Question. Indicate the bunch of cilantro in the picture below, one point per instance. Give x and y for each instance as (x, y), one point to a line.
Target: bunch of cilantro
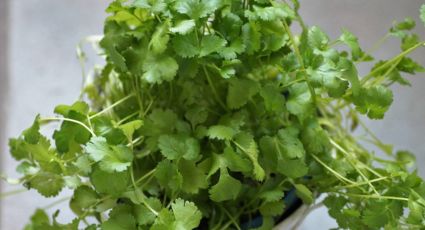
(208, 112)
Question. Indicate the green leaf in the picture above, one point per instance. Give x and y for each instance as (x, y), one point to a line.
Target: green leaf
(83, 163)
(168, 175)
(143, 215)
(160, 38)
(46, 183)
(84, 197)
(236, 162)
(293, 168)
(273, 99)
(186, 45)
(186, 214)
(246, 143)
(317, 38)
(194, 178)
(120, 218)
(300, 101)
(251, 37)
(399, 28)
(130, 127)
(211, 44)
(422, 15)
(176, 146)
(159, 68)
(352, 41)
(241, 91)
(196, 9)
(221, 132)
(112, 158)
(113, 184)
(274, 208)
(271, 13)
(329, 78)
(32, 135)
(221, 192)
(18, 149)
(374, 101)
(183, 27)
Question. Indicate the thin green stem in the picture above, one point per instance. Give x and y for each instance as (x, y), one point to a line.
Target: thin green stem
(333, 171)
(300, 60)
(374, 196)
(391, 61)
(112, 106)
(12, 193)
(53, 204)
(232, 219)
(348, 155)
(139, 195)
(70, 120)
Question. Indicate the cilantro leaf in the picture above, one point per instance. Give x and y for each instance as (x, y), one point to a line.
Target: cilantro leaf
(186, 45)
(220, 191)
(240, 92)
(211, 44)
(194, 178)
(176, 146)
(300, 101)
(186, 214)
(251, 37)
(112, 158)
(168, 175)
(246, 143)
(270, 13)
(183, 27)
(111, 183)
(221, 132)
(374, 101)
(46, 183)
(159, 68)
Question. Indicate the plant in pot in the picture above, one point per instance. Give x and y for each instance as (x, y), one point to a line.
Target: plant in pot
(214, 114)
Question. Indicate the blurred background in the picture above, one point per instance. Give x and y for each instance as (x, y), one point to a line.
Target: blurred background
(39, 69)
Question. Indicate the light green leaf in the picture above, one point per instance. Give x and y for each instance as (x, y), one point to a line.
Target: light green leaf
(176, 146)
(211, 44)
(186, 214)
(186, 45)
(168, 175)
(130, 127)
(183, 27)
(46, 183)
(113, 184)
(246, 143)
(160, 39)
(112, 158)
(221, 192)
(221, 132)
(251, 37)
(159, 68)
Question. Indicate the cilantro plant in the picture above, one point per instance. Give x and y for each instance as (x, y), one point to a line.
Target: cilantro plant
(208, 112)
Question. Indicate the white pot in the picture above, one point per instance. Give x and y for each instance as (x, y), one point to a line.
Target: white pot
(294, 220)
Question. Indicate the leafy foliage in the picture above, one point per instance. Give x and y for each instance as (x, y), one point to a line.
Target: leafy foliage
(208, 111)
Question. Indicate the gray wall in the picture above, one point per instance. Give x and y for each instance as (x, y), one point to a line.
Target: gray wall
(4, 16)
(44, 72)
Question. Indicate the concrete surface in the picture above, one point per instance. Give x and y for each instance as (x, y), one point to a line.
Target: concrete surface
(45, 72)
